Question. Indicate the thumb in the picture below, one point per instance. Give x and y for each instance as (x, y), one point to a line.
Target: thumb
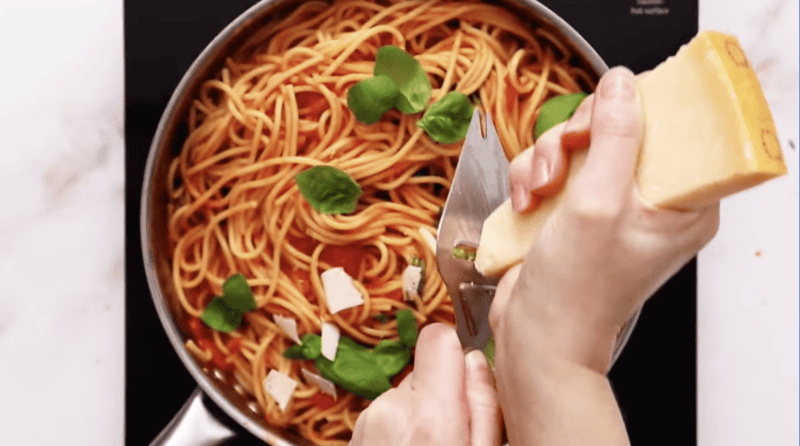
(617, 129)
(482, 401)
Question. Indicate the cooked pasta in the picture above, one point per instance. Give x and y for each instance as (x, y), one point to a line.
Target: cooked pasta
(277, 107)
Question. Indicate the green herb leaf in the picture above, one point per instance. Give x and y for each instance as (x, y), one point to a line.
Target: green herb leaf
(309, 348)
(407, 74)
(557, 110)
(312, 346)
(295, 352)
(416, 261)
(382, 318)
(391, 357)
(357, 369)
(407, 327)
(488, 351)
(356, 372)
(328, 189)
(237, 294)
(220, 316)
(447, 120)
(371, 98)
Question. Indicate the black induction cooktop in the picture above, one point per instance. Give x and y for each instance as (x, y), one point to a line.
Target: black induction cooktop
(654, 379)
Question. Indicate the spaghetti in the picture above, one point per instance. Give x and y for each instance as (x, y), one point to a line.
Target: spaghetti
(278, 107)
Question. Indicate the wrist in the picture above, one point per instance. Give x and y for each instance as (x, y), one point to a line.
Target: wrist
(557, 335)
(554, 401)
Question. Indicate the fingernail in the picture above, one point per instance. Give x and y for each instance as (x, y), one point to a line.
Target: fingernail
(540, 174)
(618, 84)
(476, 362)
(520, 198)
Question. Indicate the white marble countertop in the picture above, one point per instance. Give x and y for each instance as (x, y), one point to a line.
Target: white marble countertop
(61, 236)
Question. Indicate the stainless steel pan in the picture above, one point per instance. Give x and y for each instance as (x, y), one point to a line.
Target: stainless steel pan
(195, 424)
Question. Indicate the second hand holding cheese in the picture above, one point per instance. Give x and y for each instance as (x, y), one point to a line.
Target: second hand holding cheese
(708, 134)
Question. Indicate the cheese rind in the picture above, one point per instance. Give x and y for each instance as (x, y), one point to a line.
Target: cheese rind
(708, 134)
(708, 129)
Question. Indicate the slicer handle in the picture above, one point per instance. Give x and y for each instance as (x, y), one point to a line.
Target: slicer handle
(196, 424)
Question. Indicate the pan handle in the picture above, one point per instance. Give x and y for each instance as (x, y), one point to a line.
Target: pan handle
(196, 424)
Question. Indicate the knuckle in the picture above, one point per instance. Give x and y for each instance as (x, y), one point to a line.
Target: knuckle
(615, 124)
(592, 209)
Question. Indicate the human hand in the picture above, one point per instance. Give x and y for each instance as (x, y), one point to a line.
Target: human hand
(602, 252)
(448, 400)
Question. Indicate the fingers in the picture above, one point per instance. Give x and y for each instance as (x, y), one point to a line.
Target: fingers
(379, 423)
(519, 174)
(482, 401)
(439, 366)
(617, 128)
(438, 382)
(537, 170)
(542, 169)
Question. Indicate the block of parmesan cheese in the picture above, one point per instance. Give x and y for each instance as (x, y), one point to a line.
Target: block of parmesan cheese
(708, 129)
(708, 134)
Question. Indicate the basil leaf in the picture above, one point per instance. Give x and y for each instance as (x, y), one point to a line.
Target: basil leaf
(295, 352)
(447, 120)
(309, 348)
(370, 98)
(312, 346)
(407, 74)
(407, 327)
(356, 371)
(349, 344)
(488, 351)
(382, 318)
(557, 110)
(237, 294)
(391, 357)
(328, 189)
(220, 316)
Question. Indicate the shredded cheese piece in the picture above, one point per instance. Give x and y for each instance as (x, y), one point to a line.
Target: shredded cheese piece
(323, 384)
(330, 340)
(288, 325)
(280, 387)
(340, 293)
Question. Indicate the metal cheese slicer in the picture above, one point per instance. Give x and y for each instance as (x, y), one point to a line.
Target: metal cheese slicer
(479, 186)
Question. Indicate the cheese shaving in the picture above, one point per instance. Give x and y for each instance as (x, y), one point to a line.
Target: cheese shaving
(323, 384)
(340, 293)
(280, 387)
(330, 340)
